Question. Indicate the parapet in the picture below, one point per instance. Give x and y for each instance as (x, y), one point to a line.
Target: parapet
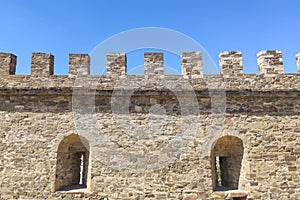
(79, 65)
(42, 64)
(8, 64)
(231, 63)
(270, 64)
(191, 63)
(154, 65)
(298, 61)
(116, 65)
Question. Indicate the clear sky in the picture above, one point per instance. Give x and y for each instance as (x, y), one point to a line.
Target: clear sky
(61, 27)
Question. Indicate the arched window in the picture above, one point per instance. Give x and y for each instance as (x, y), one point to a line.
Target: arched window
(226, 157)
(72, 163)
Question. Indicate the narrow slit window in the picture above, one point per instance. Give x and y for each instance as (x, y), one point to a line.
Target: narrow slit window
(81, 181)
(218, 171)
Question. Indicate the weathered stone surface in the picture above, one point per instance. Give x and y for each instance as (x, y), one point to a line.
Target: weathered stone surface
(298, 61)
(116, 65)
(79, 65)
(38, 112)
(231, 63)
(154, 65)
(190, 197)
(42, 64)
(8, 63)
(192, 65)
(270, 62)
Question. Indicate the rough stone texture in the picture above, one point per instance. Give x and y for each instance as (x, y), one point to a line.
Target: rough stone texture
(79, 64)
(270, 62)
(231, 63)
(116, 65)
(190, 197)
(8, 63)
(154, 65)
(37, 114)
(42, 64)
(192, 65)
(298, 61)
(219, 195)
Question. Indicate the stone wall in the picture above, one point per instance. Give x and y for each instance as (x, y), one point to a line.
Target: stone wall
(39, 111)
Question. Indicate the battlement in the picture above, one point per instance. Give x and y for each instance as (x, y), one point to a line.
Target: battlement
(154, 136)
(270, 65)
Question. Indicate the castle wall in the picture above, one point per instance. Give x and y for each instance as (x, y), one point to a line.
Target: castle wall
(38, 111)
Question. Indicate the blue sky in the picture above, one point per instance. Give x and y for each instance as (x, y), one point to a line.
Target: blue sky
(61, 27)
